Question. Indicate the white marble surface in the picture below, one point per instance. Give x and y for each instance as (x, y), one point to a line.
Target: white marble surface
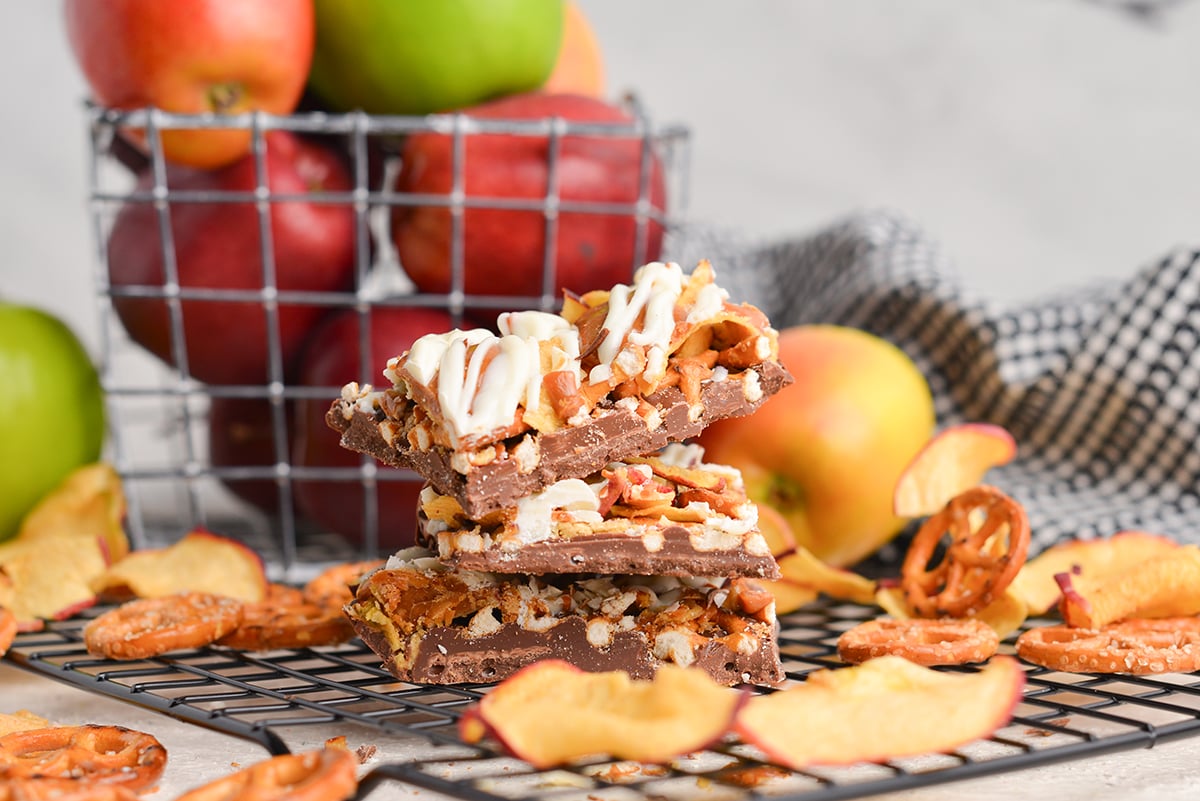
(1045, 143)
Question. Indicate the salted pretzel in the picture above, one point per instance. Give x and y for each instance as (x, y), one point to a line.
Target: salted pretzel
(925, 641)
(988, 541)
(325, 775)
(63, 790)
(1136, 647)
(8, 629)
(285, 620)
(332, 586)
(151, 626)
(101, 754)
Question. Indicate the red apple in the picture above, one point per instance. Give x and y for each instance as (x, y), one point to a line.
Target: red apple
(827, 450)
(217, 246)
(331, 359)
(193, 57)
(241, 433)
(504, 249)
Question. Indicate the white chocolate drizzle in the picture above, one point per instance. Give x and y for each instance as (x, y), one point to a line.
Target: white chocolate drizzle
(480, 379)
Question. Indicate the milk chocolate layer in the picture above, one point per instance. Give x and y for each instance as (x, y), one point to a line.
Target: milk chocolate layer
(669, 514)
(613, 433)
(609, 552)
(432, 625)
(446, 656)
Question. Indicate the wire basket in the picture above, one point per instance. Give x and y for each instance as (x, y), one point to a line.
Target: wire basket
(160, 406)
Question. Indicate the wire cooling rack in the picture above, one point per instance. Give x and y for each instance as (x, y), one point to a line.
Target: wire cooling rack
(159, 413)
(258, 696)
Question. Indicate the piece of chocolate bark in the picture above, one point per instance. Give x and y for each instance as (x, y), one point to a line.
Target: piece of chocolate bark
(490, 419)
(669, 514)
(432, 624)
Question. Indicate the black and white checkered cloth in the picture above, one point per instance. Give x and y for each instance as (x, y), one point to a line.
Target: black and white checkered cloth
(1101, 388)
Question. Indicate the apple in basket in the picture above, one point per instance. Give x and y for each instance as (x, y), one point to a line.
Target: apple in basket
(331, 359)
(580, 65)
(412, 57)
(504, 249)
(217, 245)
(827, 450)
(241, 433)
(200, 57)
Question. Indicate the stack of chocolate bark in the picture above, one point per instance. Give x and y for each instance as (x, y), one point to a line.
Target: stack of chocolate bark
(563, 517)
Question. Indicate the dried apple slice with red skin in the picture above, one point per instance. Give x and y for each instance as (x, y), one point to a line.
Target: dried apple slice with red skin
(802, 567)
(89, 501)
(776, 531)
(1097, 559)
(680, 711)
(1163, 586)
(954, 460)
(885, 708)
(789, 596)
(200, 561)
(48, 578)
(1005, 614)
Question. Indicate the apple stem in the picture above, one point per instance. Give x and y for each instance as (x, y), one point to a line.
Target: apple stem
(224, 96)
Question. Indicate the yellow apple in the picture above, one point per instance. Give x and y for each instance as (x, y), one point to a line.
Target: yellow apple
(827, 450)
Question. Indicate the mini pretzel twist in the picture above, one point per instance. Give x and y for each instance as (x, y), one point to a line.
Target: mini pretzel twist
(285, 620)
(332, 586)
(99, 754)
(326, 775)
(925, 641)
(1136, 647)
(988, 541)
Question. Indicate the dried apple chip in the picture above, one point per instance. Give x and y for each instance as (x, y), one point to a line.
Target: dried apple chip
(199, 562)
(1005, 614)
(953, 461)
(8, 629)
(1167, 585)
(776, 530)
(804, 568)
(1097, 559)
(21, 720)
(882, 709)
(49, 578)
(90, 502)
(681, 710)
(789, 596)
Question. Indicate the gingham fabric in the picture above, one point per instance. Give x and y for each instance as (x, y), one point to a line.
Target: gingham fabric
(1100, 388)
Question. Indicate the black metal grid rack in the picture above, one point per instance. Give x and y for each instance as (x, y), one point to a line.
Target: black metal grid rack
(257, 696)
(158, 412)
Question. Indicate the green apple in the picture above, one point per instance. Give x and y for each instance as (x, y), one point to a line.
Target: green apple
(419, 57)
(53, 419)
